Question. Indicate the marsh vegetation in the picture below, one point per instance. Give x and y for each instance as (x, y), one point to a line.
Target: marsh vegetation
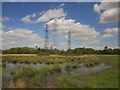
(55, 71)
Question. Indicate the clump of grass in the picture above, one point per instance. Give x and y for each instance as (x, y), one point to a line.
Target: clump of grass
(92, 63)
(34, 62)
(79, 62)
(71, 66)
(74, 66)
(52, 62)
(55, 69)
(20, 83)
(60, 62)
(14, 61)
(21, 62)
(12, 73)
(36, 79)
(32, 76)
(3, 65)
(40, 75)
(48, 63)
(96, 62)
(17, 84)
(87, 64)
(44, 71)
(40, 62)
(72, 59)
(68, 68)
(3, 61)
(27, 72)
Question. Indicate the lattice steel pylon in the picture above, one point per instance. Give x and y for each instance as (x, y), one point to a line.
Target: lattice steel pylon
(69, 40)
(55, 35)
(46, 37)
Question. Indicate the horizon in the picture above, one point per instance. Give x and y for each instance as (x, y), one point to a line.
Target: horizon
(63, 50)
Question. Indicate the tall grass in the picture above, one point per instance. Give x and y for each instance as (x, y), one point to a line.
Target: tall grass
(66, 82)
(34, 76)
(55, 69)
(29, 76)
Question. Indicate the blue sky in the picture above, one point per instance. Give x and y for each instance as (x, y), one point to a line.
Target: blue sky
(81, 12)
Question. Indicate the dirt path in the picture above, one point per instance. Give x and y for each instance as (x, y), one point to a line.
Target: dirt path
(18, 54)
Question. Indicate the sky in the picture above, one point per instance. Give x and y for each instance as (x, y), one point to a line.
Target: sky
(92, 24)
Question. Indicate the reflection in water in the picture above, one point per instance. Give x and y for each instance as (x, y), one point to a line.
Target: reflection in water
(11, 65)
(87, 70)
(81, 69)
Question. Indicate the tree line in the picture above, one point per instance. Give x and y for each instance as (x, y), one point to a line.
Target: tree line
(76, 51)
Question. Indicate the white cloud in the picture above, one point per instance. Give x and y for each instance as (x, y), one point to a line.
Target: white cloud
(109, 16)
(33, 15)
(61, 5)
(110, 32)
(97, 8)
(5, 19)
(41, 13)
(1, 25)
(21, 34)
(28, 18)
(18, 35)
(1, 35)
(45, 15)
(51, 14)
(80, 32)
(108, 11)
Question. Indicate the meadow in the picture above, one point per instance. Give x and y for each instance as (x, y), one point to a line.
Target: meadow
(57, 71)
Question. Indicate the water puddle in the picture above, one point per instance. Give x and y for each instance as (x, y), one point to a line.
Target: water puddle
(11, 65)
(80, 70)
(88, 70)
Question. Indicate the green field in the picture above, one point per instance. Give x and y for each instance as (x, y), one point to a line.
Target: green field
(61, 71)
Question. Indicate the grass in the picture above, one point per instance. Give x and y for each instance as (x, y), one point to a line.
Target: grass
(105, 79)
(92, 63)
(71, 66)
(55, 69)
(18, 84)
(66, 82)
(35, 77)
(38, 59)
(0, 77)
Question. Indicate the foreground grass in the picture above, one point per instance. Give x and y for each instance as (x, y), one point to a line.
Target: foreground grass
(36, 77)
(67, 82)
(104, 79)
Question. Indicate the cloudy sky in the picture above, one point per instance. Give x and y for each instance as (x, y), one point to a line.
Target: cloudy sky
(92, 24)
